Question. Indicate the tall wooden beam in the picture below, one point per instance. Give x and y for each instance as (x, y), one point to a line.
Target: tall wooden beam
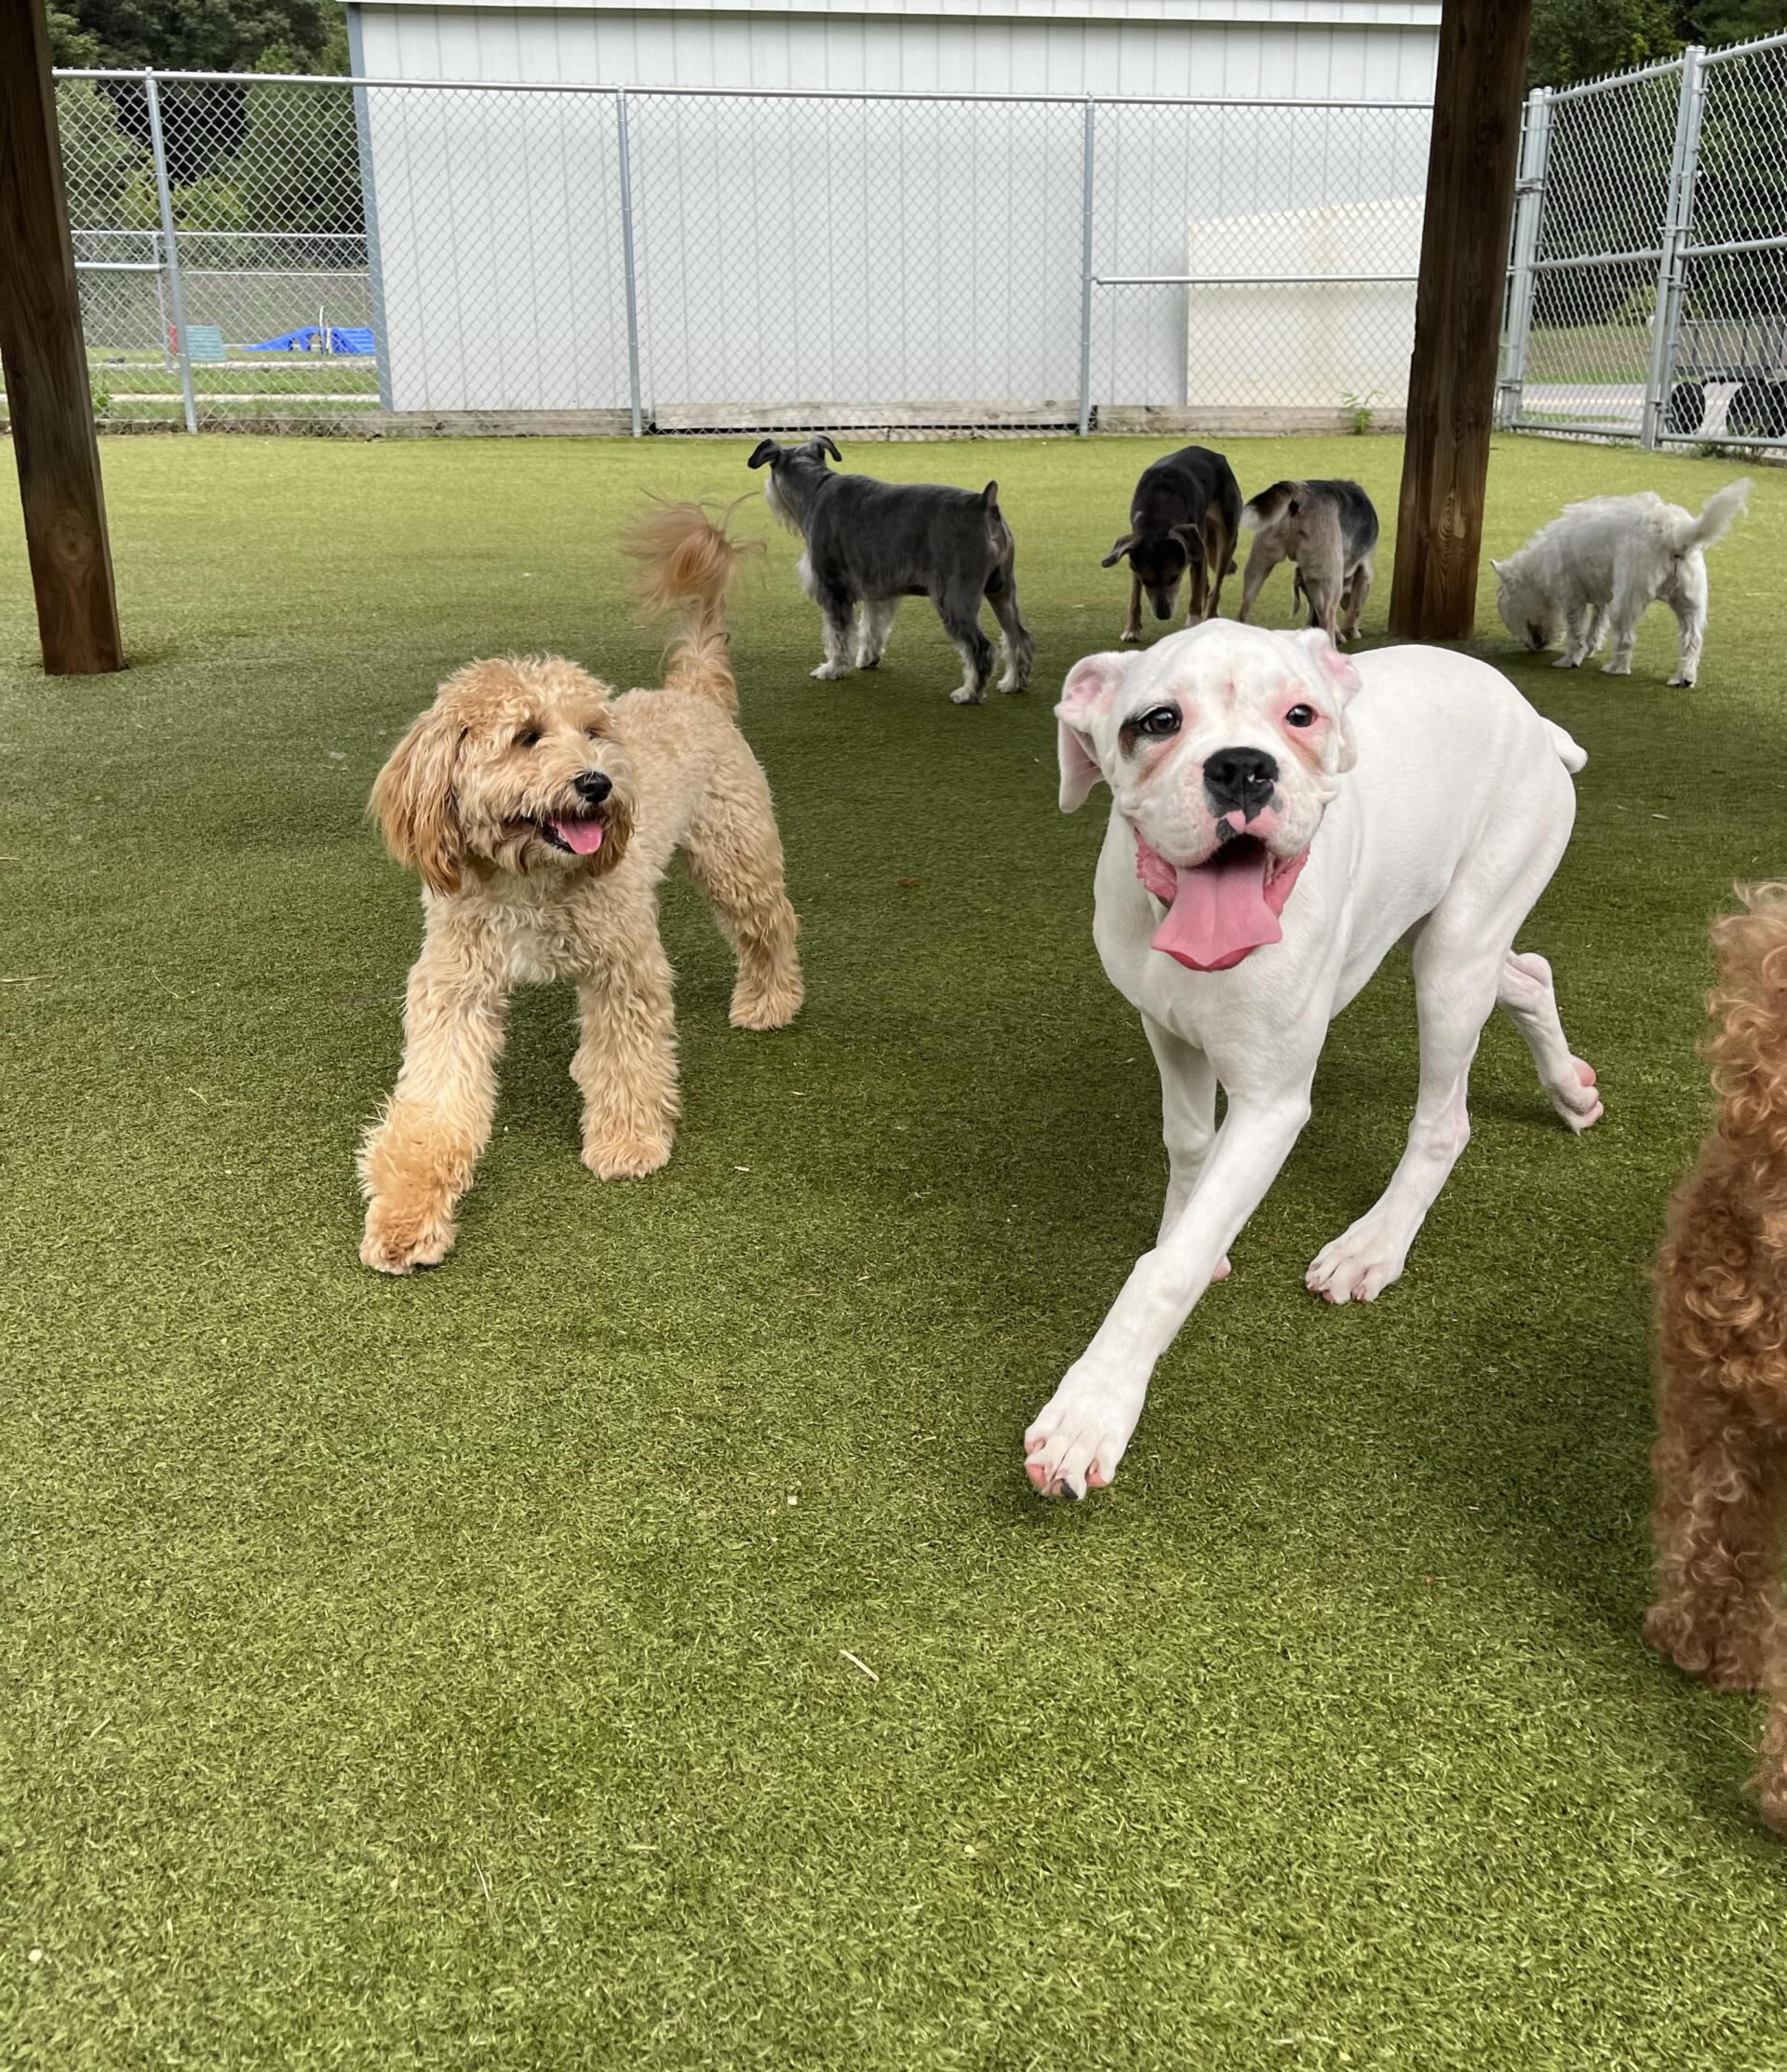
(1471, 171)
(44, 358)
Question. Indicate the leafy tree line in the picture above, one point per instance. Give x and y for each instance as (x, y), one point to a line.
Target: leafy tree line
(1581, 39)
(200, 36)
(239, 156)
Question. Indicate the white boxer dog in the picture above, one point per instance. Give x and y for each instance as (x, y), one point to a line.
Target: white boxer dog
(1281, 817)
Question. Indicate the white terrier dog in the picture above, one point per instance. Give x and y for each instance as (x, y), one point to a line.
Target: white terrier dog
(1610, 560)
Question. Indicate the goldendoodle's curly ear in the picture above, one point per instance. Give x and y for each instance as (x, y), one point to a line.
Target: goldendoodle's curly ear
(414, 803)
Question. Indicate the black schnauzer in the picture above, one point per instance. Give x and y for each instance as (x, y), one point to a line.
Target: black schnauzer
(871, 544)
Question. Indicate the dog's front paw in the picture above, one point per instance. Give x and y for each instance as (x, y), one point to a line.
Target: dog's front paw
(399, 1240)
(1681, 683)
(1563, 662)
(768, 1004)
(1616, 667)
(1130, 634)
(1723, 1650)
(626, 1156)
(965, 696)
(1359, 1265)
(1080, 1436)
(828, 672)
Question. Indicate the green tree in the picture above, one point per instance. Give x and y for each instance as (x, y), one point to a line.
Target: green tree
(198, 35)
(1581, 39)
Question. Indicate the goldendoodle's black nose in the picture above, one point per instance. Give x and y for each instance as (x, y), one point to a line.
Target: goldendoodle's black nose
(1239, 780)
(592, 786)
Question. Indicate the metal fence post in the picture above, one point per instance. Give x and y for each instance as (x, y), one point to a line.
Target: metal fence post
(1085, 275)
(1667, 317)
(369, 206)
(170, 248)
(627, 259)
(1529, 208)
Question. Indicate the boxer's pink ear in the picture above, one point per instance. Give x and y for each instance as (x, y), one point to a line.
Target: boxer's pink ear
(1090, 683)
(1340, 680)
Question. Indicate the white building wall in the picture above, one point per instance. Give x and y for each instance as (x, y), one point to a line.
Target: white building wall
(1370, 51)
(829, 257)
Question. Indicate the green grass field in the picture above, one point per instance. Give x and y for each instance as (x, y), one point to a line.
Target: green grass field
(451, 1673)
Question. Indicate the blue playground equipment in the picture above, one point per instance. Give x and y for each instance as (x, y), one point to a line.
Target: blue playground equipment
(320, 338)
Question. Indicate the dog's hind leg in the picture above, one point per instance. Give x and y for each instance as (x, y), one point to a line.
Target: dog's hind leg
(874, 623)
(961, 618)
(418, 1159)
(1268, 552)
(1687, 598)
(626, 1062)
(1525, 988)
(1358, 590)
(734, 856)
(1720, 1477)
(1020, 648)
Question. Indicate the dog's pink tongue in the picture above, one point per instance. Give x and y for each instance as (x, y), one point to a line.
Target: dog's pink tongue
(1220, 912)
(583, 836)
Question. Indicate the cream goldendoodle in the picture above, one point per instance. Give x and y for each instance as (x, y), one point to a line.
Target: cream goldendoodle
(540, 812)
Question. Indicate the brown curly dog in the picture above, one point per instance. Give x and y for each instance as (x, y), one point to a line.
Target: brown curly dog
(540, 812)
(1720, 1460)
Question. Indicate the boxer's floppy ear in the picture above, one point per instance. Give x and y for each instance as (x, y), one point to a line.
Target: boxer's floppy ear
(1088, 683)
(1340, 680)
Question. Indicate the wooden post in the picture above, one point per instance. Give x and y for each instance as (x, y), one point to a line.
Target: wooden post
(45, 356)
(1458, 315)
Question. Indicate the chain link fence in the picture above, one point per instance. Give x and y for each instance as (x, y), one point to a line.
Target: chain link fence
(336, 255)
(1647, 289)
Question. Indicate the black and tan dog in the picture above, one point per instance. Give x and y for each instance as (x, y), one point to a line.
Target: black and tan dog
(1184, 518)
(1328, 529)
(871, 544)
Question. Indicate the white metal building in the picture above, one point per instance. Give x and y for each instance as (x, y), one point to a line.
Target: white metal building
(798, 258)
(1228, 49)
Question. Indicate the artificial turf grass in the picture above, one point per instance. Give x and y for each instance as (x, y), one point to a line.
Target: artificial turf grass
(437, 1672)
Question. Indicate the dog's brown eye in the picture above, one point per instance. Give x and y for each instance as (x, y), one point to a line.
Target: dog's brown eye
(1163, 719)
(528, 738)
(1300, 715)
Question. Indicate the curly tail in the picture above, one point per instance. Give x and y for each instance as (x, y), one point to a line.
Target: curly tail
(1716, 516)
(685, 559)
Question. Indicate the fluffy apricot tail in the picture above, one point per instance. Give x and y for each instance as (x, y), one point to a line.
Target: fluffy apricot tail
(686, 561)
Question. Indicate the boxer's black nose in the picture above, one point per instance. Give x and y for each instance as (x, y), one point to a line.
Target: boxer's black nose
(1239, 780)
